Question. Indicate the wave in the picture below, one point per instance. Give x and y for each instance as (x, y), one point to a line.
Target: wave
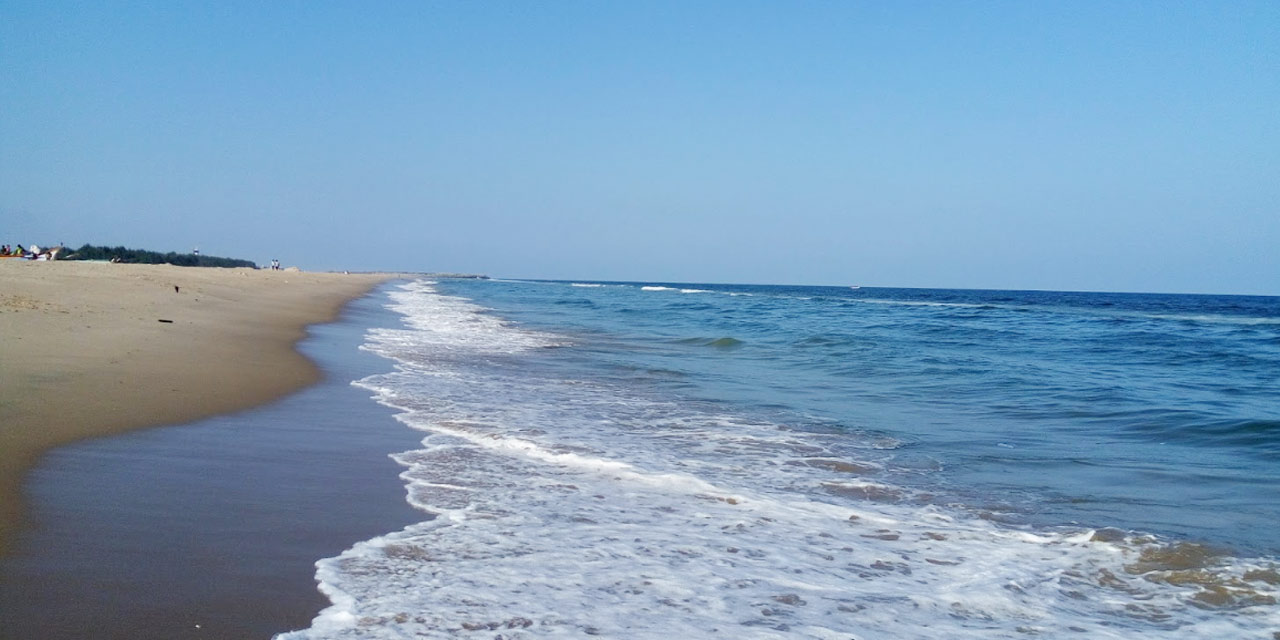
(570, 540)
(564, 505)
(1102, 309)
(1216, 319)
(924, 303)
(1255, 436)
(575, 303)
(453, 325)
(718, 343)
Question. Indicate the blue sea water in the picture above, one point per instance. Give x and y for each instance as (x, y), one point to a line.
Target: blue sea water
(649, 460)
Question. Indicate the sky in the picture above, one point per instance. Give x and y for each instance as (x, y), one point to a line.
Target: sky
(1106, 146)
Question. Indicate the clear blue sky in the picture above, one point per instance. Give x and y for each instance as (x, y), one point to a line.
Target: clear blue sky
(1130, 146)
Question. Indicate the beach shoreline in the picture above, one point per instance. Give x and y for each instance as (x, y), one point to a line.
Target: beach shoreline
(96, 349)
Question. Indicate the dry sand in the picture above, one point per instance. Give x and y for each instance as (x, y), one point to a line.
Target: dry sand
(84, 351)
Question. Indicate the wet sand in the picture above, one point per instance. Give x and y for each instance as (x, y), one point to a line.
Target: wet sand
(93, 349)
(211, 529)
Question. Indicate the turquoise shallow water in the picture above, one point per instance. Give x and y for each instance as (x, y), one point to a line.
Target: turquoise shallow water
(672, 460)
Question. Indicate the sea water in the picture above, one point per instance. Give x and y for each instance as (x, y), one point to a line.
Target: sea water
(648, 460)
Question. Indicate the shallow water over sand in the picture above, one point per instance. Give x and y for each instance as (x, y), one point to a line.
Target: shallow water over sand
(658, 460)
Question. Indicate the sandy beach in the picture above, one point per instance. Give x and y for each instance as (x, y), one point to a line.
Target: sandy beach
(92, 349)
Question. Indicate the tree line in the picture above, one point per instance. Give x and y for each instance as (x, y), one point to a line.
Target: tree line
(142, 256)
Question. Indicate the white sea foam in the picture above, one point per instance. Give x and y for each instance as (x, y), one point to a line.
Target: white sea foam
(441, 325)
(1242, 320)
(656, 288)
(1218, 319)
(586, 285)
(567, 507)
(922, 303)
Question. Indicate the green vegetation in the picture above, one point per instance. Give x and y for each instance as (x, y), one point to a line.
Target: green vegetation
(142, 256)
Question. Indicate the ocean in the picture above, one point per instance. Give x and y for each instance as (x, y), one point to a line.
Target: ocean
(657, 460)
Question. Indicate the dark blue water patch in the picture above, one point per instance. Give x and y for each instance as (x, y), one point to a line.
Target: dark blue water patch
(1257, 437)
(726, 342)
(576, 302)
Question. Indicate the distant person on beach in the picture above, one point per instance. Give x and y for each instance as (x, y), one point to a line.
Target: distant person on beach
(275, 265)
